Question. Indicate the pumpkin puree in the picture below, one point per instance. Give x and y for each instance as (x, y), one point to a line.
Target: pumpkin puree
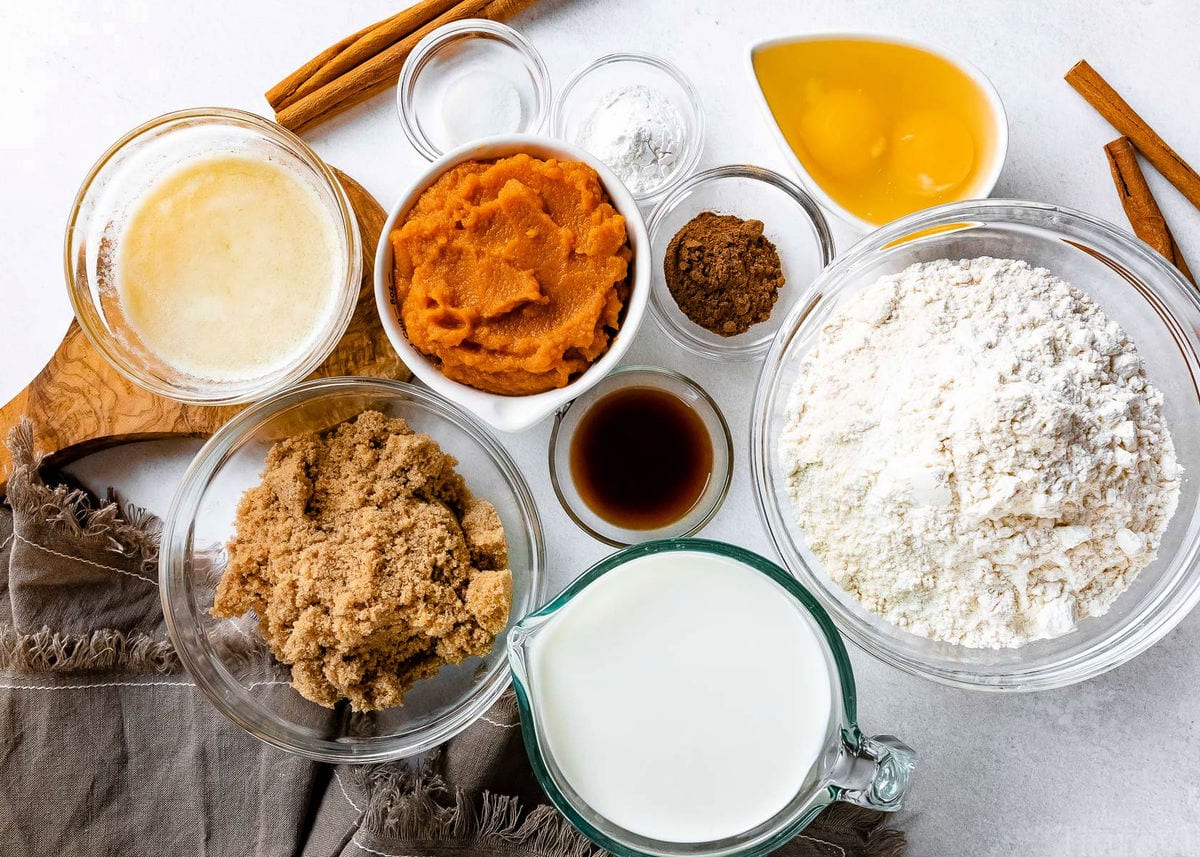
(512, 274)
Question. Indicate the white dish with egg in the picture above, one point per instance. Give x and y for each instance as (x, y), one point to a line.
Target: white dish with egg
(998, 152)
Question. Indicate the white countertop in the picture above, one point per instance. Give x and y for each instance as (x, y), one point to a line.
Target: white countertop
(1103, 768)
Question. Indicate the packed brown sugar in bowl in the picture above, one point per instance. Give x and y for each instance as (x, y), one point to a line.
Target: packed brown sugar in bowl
(368, 561)
(512, 275)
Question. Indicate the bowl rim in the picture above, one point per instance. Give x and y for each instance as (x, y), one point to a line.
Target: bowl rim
(480, 27)
(176, 544)
(995, 105)
(681, 336)
(516, 413)
(1138, 634)
(666, 377)
(695, 141)
(89, 321)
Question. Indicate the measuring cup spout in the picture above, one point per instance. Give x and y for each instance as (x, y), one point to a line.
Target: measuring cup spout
(874, 772)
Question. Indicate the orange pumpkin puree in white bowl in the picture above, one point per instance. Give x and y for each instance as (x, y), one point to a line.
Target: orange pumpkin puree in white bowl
(514, 276)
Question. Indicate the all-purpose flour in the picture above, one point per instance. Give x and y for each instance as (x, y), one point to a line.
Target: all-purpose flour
(975, 453)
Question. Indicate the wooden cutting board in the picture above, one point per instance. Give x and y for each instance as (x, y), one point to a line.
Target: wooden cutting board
(79, 403)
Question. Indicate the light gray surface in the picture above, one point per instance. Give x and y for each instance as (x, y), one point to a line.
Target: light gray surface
(1099, 769)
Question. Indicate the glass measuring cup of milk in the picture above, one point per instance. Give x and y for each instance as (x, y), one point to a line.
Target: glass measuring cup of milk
(688, 697)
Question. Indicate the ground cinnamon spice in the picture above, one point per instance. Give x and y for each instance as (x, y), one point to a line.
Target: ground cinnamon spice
(368, 561)
(723, 272)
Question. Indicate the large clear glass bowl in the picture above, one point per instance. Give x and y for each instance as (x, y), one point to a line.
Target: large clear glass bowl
(1139, 290)
(229, 660)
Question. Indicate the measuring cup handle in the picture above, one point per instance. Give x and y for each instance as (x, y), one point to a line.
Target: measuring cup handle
(874, 772)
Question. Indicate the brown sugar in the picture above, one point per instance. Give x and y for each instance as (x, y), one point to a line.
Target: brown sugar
(512, 275)
(723, 272)
(368, 561)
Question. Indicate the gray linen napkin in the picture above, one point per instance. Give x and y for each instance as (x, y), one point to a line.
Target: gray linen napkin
(108, 748)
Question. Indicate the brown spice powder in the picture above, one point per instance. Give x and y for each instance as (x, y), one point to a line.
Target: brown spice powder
(368, 562)
(723, 272)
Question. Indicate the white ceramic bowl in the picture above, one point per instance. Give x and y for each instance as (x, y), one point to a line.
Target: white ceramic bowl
(983, 185)
(515, 413)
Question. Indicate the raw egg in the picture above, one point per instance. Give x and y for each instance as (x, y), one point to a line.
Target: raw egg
(884, 129)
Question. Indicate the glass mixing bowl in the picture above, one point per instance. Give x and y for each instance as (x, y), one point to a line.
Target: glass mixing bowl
(1138, 289)
(228, 659)
(114, 188)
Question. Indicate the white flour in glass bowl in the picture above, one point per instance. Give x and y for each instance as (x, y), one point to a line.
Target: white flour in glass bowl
(974, 452)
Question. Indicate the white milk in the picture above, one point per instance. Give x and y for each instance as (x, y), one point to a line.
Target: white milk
(685, 696)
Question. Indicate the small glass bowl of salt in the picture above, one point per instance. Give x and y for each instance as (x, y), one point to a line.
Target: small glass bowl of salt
(468, 80)
(638, 114)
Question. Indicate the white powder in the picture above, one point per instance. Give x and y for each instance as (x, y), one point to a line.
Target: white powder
(638, 133)
(479, 103)
(975, 453)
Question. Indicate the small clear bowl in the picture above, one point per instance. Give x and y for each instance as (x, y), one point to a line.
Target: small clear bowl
(117, 183)
(567, 420)
(229, 660)
(613, 71)
(1138, 289)
(441, 84)
(791, 220)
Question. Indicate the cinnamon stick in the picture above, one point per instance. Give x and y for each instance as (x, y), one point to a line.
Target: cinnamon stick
(1109, 104)
(382, 70)
(502, 10)
(1140, 206)
(282, 91)
(359, 48)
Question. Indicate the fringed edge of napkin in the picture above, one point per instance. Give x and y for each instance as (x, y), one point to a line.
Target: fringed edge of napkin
(413, 807)
(865, 829)
(50, 651)
(129, 531)
(417, 808)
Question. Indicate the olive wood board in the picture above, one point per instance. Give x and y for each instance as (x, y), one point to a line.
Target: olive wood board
(79, 403)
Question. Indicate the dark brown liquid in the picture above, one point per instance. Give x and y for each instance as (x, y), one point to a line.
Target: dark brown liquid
(641, 458)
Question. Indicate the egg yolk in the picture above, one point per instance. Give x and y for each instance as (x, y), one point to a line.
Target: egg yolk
(844, 131)
(882, 129)
(932, 151)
